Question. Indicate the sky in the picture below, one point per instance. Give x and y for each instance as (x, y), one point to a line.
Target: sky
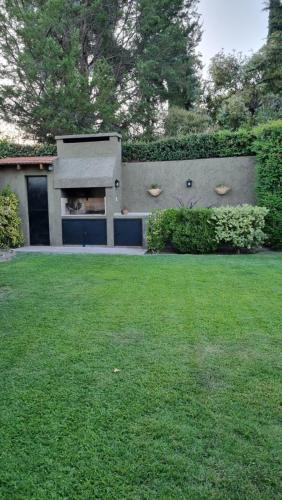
(232, 24)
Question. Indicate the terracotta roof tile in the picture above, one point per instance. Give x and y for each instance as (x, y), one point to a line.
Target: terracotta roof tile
(28, 160)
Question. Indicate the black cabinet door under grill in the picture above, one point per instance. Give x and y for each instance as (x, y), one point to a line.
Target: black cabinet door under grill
(128, 232)
(84, 232)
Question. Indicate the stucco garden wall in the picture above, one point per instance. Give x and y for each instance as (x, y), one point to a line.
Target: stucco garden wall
(206, 174)
(17, 181)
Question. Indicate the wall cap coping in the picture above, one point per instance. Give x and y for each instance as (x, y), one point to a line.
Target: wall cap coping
(221, 158)
(81, 136)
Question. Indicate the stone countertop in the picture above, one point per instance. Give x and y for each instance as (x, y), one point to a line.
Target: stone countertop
(133, 214)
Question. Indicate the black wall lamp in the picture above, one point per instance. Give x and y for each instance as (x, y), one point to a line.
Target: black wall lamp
(189, 183)
(117, 183)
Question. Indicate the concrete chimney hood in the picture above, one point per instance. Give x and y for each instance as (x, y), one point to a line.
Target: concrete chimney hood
(89, 160)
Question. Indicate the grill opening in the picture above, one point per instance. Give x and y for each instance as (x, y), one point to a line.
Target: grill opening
(83, 201)
(85, 139)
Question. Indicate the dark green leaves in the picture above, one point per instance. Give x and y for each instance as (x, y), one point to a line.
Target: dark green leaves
(220, 144)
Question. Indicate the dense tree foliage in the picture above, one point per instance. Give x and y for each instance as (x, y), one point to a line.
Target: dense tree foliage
(180, 121)
(236, 93)
(71, 66)
(244, 91)
(229, 91)
(272, 62)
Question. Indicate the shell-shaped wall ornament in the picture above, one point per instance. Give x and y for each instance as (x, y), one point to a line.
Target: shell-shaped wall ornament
(222, 190)
(155, 192)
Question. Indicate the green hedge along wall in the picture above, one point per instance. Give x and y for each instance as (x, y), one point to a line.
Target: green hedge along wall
(12, 149)
(220, 144)
(268, 150)
(212, 145)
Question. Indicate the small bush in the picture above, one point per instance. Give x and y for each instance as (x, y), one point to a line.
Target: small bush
(10, 223)
(194, 231)
(239, 227)
(273, 220)
(159, 229)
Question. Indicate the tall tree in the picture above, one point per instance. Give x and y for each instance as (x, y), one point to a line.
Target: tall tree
(229, 91)
(84, 65)
(275, 16)
(180, 122)
(166, 62)
(238, 91)
(244, 90)
(272, 63)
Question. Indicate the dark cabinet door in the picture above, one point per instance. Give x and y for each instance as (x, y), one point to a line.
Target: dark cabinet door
(95, 232)
(84, 232)
(128, 232)
(37, 196)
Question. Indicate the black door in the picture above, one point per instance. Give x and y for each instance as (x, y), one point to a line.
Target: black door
(128, 232)
(38, 210)
(84, 232)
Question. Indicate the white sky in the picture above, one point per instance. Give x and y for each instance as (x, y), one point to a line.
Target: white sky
(232, 24)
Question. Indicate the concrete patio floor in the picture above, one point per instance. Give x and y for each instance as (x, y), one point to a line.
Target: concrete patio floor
(86, 250)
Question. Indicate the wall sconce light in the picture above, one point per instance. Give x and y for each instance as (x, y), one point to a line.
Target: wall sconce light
(117, 183)
(189, 183)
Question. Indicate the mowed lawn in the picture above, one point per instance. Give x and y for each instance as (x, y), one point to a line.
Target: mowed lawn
(140, 377)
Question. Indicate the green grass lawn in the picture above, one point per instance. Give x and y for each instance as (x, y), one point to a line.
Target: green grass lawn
(193, 411)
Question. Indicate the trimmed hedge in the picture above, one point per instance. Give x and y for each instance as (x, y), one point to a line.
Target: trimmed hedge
(268, 149)
(193, 146)
(160, 228)
(10, 223)
(194, 231)
(205, 230)
(12, 149)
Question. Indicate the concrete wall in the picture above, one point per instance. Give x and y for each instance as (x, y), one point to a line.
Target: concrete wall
(16, 179)
(238, 173)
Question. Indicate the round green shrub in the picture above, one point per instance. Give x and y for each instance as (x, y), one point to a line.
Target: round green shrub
(194, 231)
(240, 227)
(159, 229)
(10, 223)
